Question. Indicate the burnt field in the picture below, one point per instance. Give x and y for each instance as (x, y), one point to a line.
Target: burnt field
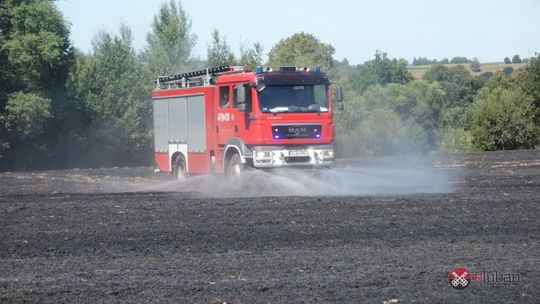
(369, 230)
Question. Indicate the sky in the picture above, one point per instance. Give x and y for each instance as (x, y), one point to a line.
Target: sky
(489, 30)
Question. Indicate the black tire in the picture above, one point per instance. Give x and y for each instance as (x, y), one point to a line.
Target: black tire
(179, 168)
(235, 167)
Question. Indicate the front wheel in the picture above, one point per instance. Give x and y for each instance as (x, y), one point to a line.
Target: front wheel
(235, 166)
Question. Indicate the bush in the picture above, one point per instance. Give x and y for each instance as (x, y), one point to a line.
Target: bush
(508, 70)
(486, 75)
(503, 120)
(382, 132)
(454, 139)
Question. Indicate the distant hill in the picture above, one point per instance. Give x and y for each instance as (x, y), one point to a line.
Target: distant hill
(418, 71)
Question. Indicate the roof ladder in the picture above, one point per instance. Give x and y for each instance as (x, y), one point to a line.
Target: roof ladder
(195, 78)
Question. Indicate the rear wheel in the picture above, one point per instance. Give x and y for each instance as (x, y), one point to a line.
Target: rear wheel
(179, 169)
(235, 167)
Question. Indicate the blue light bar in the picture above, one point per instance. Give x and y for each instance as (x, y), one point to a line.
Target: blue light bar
(259, 70)
(317, 69)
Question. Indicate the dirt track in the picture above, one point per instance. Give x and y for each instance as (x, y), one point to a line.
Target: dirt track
(120, 235)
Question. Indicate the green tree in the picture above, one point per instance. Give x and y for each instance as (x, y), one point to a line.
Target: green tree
(508, 70)
(475, 65)
(459, 60)
(531, 83)
(380, 70)
(507, 60)
(251, 57)
(460, 86)
(516, 59)
(303, 50)
(24, 119)
(513, 81)
(380, 133)
(455, 139)
(219, 53)
(503, 119)
(35, 57)
(406, 120)
(487, 75)
(113, 89)
(26, 114)
(423, 61)
(418, 103)
(460, 89)
(170, 42)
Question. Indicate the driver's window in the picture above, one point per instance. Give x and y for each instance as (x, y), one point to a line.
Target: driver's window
(224, 96)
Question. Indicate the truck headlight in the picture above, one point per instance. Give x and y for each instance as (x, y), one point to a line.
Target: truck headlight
(328, 154)
(263, 155)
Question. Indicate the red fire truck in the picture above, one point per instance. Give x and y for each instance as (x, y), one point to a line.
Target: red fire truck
(224, 119)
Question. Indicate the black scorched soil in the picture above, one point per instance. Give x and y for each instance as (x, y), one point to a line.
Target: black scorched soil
(66, 237)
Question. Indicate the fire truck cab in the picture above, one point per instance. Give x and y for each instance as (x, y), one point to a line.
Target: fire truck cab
(221, 120)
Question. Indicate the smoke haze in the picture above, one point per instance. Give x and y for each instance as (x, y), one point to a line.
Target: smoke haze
(373, 176)
(365, 176)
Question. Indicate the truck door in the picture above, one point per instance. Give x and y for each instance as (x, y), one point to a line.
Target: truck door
(224, 117)
(231, 122)
(241, 120)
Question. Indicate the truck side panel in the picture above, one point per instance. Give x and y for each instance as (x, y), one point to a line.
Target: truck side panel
(177, 120)
(198, 163)
(180, 126)
(162, 161)
(196, 124)
(161, 125)
(161, 133)
(198, 156)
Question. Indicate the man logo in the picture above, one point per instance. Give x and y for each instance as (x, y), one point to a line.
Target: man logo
(459, 278)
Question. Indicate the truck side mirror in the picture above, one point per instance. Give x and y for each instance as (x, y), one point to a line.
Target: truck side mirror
(339, 98)
(339, 94)
(242, 94)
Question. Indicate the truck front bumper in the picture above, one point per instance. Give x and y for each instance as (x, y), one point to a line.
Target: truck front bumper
(281, 156)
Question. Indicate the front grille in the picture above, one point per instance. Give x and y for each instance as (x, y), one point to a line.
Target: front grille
(296, 131)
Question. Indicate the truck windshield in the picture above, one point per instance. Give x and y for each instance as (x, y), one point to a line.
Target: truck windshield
(294, 98)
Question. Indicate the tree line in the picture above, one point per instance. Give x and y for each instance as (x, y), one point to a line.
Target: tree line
(60, 107)
(454, 60)
(462, 60)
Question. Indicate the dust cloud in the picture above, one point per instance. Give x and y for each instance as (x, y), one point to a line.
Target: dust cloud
(365, 176)
(396, 176)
